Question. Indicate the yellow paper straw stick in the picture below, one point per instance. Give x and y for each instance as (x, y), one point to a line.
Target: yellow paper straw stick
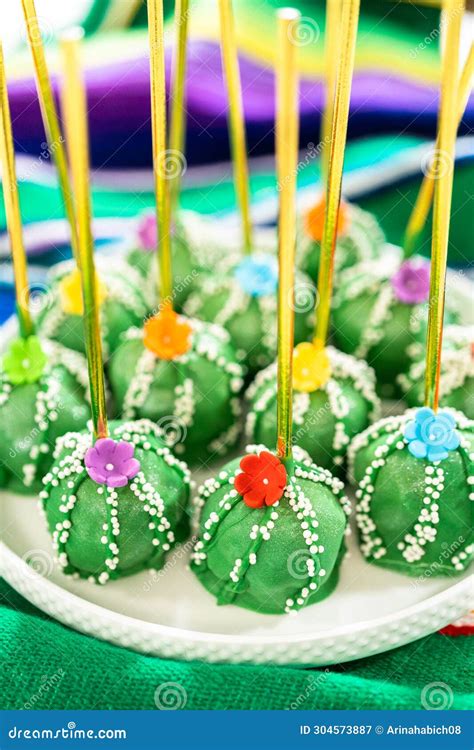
(78, 139)
(12, 209)
(331, 57)
(160, 154)
(424, 199)
(287, 124)
(444, 170)
(348, 33)
(50, 116)
(177, 118)
(230, 64)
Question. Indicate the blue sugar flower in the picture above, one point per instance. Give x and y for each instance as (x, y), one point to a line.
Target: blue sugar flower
(431, 435)
(258, 275)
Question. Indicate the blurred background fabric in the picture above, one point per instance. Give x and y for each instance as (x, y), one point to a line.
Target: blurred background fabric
(394, 90)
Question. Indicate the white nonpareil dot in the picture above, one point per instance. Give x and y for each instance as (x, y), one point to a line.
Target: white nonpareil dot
(109, 467)
(265, 481)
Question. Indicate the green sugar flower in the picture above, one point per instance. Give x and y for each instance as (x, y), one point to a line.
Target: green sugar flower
(25, 361)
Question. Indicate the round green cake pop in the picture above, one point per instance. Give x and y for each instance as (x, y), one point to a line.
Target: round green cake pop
(270, 536)
(415, 490)
(242, 298)
(43, 390)
(359, 238)
(116, 507)
(122, 304)
(380, 311)
(333, 401)
(456, 384)
(192, 247)
(182, 374)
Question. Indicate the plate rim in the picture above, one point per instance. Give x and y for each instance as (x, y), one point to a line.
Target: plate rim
(10, 562)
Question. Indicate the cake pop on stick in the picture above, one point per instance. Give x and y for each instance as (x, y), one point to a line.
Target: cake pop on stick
(415, 471)
(240, 293)
(272, 524)
(42, 385)
(193, 247)
(177, 371)
(334, 393)
(380, 308)
(122, 301)
(115, 500)
(359, 236)
(421, 209)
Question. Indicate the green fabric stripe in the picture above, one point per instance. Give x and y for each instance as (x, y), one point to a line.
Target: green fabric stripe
(48, 666)
(96, 15)
(391, 205)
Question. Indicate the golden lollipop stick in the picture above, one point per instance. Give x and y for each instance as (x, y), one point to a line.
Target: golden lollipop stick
(78, 139)
(443, 169)
(158, 124)
(331, 55)
(50, 116)
(424, 199)
(177, 130)
(287, 142)
(12, 209)
(230, 63)
(348, 32)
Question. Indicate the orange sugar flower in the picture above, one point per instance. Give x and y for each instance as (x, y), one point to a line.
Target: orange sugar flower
(311, 367)
(167, 334)
(70, 293)
(314, 220)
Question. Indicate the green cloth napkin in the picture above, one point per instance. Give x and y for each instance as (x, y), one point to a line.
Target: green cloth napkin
(48, 666)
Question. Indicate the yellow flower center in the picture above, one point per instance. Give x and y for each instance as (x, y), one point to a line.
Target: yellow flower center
(311, 367)
(70, 293)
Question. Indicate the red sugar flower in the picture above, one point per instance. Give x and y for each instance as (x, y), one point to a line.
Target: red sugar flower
(262, 481)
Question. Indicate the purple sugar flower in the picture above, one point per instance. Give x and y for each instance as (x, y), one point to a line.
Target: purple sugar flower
(110, 462)
(411, 283)
(147, 234)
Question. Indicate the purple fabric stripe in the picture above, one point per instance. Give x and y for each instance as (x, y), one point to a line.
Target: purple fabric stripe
(118, 98)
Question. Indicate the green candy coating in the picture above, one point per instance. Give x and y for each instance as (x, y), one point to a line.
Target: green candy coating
(184, 270)
(150, 512)
(250, 320)
(34, 415)
(124, 306)
(414, 516)
(194, 398)
(282, 569)
(456, 386)
(362, 241)
(325, 420)
(369, 322)
(193, 250)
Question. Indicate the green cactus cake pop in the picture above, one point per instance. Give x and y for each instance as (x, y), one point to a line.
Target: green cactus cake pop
(123, 303)
(380, 311)
(359, 238)
(43, 389)
(414, 476)
(115, 500)
(334, 399)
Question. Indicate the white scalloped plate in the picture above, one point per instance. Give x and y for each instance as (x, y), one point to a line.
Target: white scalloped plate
(171, 615)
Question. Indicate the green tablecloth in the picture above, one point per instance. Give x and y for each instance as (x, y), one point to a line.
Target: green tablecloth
(48, 666)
